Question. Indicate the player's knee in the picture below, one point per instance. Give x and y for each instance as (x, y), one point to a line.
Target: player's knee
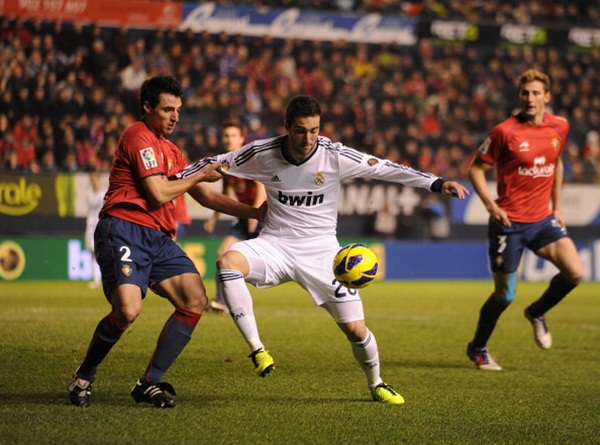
(196, 302)
(505, 294)
(504, 298)
(355, 331)
(232, 260)
(125, 316)
(574, 277)
(224, 262)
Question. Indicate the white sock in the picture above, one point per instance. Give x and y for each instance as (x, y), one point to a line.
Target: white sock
(220, 298)
(366, 354)
(238, 299)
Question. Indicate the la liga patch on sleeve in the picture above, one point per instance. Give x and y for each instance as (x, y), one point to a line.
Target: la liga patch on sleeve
(149, 158)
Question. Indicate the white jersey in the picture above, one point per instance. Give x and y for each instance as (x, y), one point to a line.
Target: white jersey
(303, 197)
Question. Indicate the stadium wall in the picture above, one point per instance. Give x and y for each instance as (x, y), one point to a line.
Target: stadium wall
(65, 258)
(56, 205)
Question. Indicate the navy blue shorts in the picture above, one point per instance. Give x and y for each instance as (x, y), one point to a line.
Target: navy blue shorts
(132, 254)
(506, 244)
(239, 230)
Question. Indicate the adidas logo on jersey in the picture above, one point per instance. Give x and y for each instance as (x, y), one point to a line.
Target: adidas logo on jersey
(275, 179)
(302, 200)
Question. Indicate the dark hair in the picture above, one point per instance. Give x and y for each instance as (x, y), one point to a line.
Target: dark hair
(235, 124)
(301, 106)
(152, 88)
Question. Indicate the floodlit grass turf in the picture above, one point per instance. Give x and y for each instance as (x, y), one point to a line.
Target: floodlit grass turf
(317, 394)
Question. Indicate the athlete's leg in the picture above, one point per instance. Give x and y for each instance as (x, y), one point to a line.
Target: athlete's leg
(504, 294)
(232, 267)
(505, 248)
(227, 242)
(126, 302)
(187, 294)
(350, 319)
(364, 349)
(563, 254)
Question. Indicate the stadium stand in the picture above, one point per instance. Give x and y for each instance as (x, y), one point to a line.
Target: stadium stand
(68, 89)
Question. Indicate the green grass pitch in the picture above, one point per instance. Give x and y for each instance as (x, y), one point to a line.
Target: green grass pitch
(317, 394)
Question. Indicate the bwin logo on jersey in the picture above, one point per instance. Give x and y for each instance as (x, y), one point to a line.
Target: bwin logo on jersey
(307, 200)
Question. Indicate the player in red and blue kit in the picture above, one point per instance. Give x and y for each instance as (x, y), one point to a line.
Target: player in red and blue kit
(135, 247)
(248, 191)
(526, 150)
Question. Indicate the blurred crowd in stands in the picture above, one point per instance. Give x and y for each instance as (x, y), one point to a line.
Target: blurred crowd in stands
(68, 90)
(538, 12)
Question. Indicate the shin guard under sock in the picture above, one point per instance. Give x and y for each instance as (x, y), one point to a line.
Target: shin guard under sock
(173, 338)
(240, 305)
(106, 335)
(366, 354)
(558, 289)
(488, 317)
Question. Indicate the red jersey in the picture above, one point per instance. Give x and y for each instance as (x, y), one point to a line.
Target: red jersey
(245, 189)
(180, 211)
(140, 154)
(525, 156)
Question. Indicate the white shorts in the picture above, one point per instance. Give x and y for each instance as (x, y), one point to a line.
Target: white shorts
(309, 263)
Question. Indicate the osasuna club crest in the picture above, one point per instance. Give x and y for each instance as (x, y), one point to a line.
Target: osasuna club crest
(126, 269)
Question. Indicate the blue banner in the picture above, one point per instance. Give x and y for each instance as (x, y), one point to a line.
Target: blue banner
(580, 206)
(295, 23)
(412, 260)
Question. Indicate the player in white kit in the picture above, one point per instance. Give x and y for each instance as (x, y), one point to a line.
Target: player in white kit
(94, 199)
(302, 173)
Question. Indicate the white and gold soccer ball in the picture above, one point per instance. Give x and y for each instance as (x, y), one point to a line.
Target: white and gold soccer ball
(355, 266)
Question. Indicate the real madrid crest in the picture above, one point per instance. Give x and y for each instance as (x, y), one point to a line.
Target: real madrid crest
(371, 162)
(319, 178)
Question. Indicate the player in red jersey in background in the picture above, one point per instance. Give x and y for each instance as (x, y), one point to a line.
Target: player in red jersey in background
(526, 151)
(183, 219)
(135, 247)
(247, 191)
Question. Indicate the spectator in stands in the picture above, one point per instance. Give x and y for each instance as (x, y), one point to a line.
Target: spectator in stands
(134, 74)
(47, 162)
(250, 77)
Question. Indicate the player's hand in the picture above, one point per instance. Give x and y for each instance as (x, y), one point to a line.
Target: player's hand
(499, 216)
(210, 173)
(261, 212)
(209, 225)
(559, 218)
(453, 188)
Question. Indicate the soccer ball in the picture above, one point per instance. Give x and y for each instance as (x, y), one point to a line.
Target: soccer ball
(355, 266)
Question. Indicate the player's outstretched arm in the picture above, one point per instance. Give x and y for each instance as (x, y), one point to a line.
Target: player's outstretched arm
(211, 223)
(221, 203)
(160, 190)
